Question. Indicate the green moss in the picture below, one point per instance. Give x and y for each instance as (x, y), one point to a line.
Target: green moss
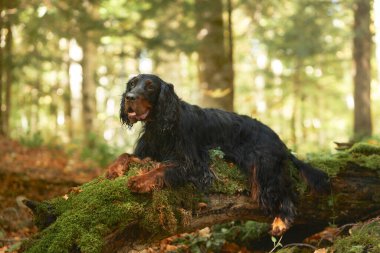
(364, 149)
(298, 182)
(94, 209)
(363, 238)
(362, 154)
(86, 216)
(331, 164)
(229, 179)
(168, 209)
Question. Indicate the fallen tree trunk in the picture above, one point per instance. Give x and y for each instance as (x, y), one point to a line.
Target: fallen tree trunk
(355, 195)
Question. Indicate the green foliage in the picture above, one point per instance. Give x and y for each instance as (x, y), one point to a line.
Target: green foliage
(32, 140)
(363, 238)
(99, 150)
(276, 243)
(242, 233)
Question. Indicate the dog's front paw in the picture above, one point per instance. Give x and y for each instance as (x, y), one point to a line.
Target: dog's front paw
(114, 171)
(145, 182)
(279, 227)
(118, 167)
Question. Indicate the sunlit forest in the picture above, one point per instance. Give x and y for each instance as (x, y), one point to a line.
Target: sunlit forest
(289, 64)
(306, 68)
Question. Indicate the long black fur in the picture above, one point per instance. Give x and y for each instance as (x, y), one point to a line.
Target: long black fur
(182, 133)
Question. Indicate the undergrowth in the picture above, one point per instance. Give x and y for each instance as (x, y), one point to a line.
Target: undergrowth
(363, 238)
(239, 232)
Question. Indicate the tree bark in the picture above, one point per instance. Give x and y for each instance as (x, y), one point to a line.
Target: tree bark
(296, 89)
(362, 75)
(215, 66)
(1, 69)
(8, 76)
(88, 87)
(67, 97)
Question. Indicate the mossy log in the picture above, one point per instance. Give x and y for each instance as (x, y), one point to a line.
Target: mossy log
(104, 216)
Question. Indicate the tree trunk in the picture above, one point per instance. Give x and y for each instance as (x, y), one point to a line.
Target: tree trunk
(1, 69)
(215, 66)
(230, 63)
(8, 76)
(362, 76)
(67, 96)
(355, 196)
(88, 87)
(296, 96)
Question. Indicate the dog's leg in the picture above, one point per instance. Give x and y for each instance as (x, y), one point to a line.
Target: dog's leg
(150, 180)
(279, 226)
(121, 165)
(271, 187)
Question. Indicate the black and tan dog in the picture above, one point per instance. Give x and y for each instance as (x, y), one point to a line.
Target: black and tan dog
(179, 135)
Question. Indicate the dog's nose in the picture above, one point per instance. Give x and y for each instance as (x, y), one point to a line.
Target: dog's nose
(131, 96)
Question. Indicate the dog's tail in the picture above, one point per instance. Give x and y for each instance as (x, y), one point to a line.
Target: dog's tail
(315, 178)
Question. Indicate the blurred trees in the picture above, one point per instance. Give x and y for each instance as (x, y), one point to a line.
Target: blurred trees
(7, 10)
(362, 74)
(301, 56)
(214, 63)
(285, 62)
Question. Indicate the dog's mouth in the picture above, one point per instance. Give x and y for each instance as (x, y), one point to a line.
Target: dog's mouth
(134, 116)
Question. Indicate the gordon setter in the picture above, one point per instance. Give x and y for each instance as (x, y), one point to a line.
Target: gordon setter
(179, 136)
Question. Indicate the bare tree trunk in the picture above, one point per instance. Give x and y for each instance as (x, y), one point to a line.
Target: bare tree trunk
(8, 76)
(88, 87)
(362, 76)
(1, 69)
(67, 98)
(296, 96)
(215, 73)
(230, 65)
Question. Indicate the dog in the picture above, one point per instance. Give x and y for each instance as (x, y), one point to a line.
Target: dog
(179, 136)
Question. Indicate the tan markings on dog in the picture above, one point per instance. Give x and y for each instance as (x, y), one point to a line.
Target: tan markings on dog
(278, 226)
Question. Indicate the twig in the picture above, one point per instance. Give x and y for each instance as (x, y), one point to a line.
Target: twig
(300, 245)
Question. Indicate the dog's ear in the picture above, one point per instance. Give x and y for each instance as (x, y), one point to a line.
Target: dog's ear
(123, 114)
(167, 107)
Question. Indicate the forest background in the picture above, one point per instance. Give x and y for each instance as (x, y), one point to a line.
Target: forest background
(306, 68)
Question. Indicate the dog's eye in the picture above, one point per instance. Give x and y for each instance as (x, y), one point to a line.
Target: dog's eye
(132, 85)
(149, 85)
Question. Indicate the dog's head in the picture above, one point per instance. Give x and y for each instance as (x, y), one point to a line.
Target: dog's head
(149, 99)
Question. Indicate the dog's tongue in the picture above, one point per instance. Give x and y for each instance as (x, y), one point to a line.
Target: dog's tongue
(132, 114)
(133, 117)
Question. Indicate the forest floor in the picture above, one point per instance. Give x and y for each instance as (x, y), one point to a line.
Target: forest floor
(36, 173)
